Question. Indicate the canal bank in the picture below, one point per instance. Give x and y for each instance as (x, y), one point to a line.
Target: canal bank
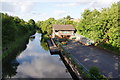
(76, 69)
(90, 56)
(54, 49)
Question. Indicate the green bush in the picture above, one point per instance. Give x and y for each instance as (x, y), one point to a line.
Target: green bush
(95, 71)
(102, 27)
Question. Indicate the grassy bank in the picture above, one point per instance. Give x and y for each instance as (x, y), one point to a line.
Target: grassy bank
(17, 46)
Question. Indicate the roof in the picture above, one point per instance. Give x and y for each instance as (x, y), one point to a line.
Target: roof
(63, 27)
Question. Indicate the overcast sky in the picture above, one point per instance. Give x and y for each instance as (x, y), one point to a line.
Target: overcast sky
(44, 9)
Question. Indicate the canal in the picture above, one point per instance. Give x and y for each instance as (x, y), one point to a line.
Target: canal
(35, 61)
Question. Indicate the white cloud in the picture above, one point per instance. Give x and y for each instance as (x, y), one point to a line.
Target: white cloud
(7, 7)
(40, 0)
(67, 4)
(89, 3)
(37, 16)
(60, 12)
(42, 67)
(99, 4)
(74, 3)
(26, 6)
(17, 6)
(23, 8)
(80, 1)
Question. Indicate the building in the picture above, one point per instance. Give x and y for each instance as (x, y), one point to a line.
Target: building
(75, 20)
(63, 31)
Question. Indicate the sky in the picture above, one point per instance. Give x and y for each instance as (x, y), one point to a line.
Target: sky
(43, 9)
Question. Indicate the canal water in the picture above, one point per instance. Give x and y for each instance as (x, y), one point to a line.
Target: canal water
(37, 62)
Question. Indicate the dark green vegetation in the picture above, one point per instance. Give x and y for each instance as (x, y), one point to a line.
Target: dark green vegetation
(15, 37)
(102, 27)
(15, 33)
(96, 72)
(9, 62)
(46, 26)
(44, 43)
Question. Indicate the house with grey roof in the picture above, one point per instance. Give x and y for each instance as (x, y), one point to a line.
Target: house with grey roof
(63, 31)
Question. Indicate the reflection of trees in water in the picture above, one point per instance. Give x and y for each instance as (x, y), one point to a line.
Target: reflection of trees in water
(10, 64)
(32, 38)
(9, 69)
(39, 31)
(44, 42)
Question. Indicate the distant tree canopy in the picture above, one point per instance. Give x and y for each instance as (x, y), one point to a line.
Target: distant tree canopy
(68, 17)
(101, 26)
(46, 26)
(32, 22)
(14, 27)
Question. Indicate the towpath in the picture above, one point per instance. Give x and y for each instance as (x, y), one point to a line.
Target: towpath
(92, 56)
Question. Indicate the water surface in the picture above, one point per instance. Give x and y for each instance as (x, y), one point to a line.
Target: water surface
(36, 62)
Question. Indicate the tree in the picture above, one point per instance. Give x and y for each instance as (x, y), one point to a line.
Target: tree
(31, 21)
(101, 26)
(13, 28)
(86, 13)
(8, 29)
(68, 17)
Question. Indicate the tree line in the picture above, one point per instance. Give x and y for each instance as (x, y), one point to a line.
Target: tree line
(98, 25)
(14, 28)
(101, 26)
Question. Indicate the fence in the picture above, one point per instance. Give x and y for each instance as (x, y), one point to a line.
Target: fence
(77, 62)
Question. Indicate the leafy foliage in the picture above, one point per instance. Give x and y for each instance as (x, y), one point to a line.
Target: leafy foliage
(46, 26)
(13, 28)
(101, 26)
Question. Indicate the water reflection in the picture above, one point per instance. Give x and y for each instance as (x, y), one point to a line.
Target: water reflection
(44, 43)
(35, 62)
(42, 67)
(10, 64)
(9, 69)
(32, 38)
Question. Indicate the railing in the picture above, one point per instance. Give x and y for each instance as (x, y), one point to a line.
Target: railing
(53, 43)
(80, 64)
(85, 69)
